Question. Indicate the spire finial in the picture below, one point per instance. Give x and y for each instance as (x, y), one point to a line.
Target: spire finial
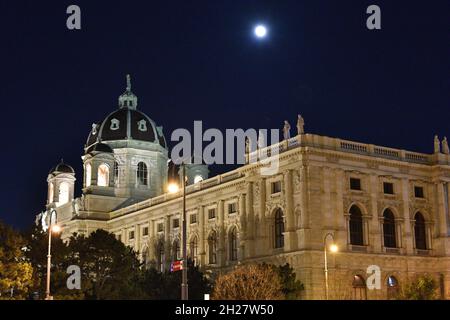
(128, 83)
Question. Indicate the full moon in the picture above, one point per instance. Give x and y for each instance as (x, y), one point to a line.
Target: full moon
(260, 31)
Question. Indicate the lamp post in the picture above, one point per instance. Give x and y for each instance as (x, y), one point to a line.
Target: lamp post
(52, 228)
(173, 188)
(333, 249)
(184, 280)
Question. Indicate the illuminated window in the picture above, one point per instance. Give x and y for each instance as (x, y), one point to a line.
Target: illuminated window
(142, 174)
(63, 193)
(88, 175)
(51, 192)
(198, 178)
(103, 176)
(392, 287)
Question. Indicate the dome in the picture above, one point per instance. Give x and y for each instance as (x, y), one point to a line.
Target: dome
(62, 168)
(99, 147)
(126, 123)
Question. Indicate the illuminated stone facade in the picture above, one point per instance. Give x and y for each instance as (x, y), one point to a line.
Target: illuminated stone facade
(383, 206)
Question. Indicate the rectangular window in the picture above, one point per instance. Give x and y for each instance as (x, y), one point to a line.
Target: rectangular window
(145, 231)
(388, 188)
(418, 192)
(176, 223)
(211, 213)
(160, 227)
(193, 218)
(232, 207)
(131, 235)
(355, 184)
(276, 187)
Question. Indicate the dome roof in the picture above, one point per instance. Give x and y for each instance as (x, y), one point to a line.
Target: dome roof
(126, 123)
(62, 168)
(99, 147)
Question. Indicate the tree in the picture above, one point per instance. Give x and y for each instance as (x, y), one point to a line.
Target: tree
(15, 271)
(422, 288)
(167, 285)
(290, 286)
(249, 282)
(109, 269)
(36, 253)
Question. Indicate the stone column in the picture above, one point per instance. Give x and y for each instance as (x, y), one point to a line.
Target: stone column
(374, 223)
(442, 194)
(167, 244)
(152, 238)
(137, 238)
(264, 239)
(289, 235)
(201, 235)
(243, 223)
(221, 244)
(250, 221)
(408, 235)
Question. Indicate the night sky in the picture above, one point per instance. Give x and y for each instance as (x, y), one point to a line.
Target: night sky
(199, 60)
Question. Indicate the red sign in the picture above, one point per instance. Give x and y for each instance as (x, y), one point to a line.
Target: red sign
(176, 266)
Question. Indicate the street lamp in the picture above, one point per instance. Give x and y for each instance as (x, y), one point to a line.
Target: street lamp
(333, 249)
(54, 228)
(173, 188)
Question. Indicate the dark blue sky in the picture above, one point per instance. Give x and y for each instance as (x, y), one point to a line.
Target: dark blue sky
(198, 60)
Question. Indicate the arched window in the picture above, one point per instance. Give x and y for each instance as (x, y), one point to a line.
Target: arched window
(359, 288)
(176, 254)
(212, 248)
(420, 232)
(392, 287)
(63, 193)
(232, 240)
(193, 249)
(356, 226)
(142, 174)
(161, 256)
(279, 229)
(88, 176)
(51, 192)
(389, 235)
(103, 176)
(116, 172)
